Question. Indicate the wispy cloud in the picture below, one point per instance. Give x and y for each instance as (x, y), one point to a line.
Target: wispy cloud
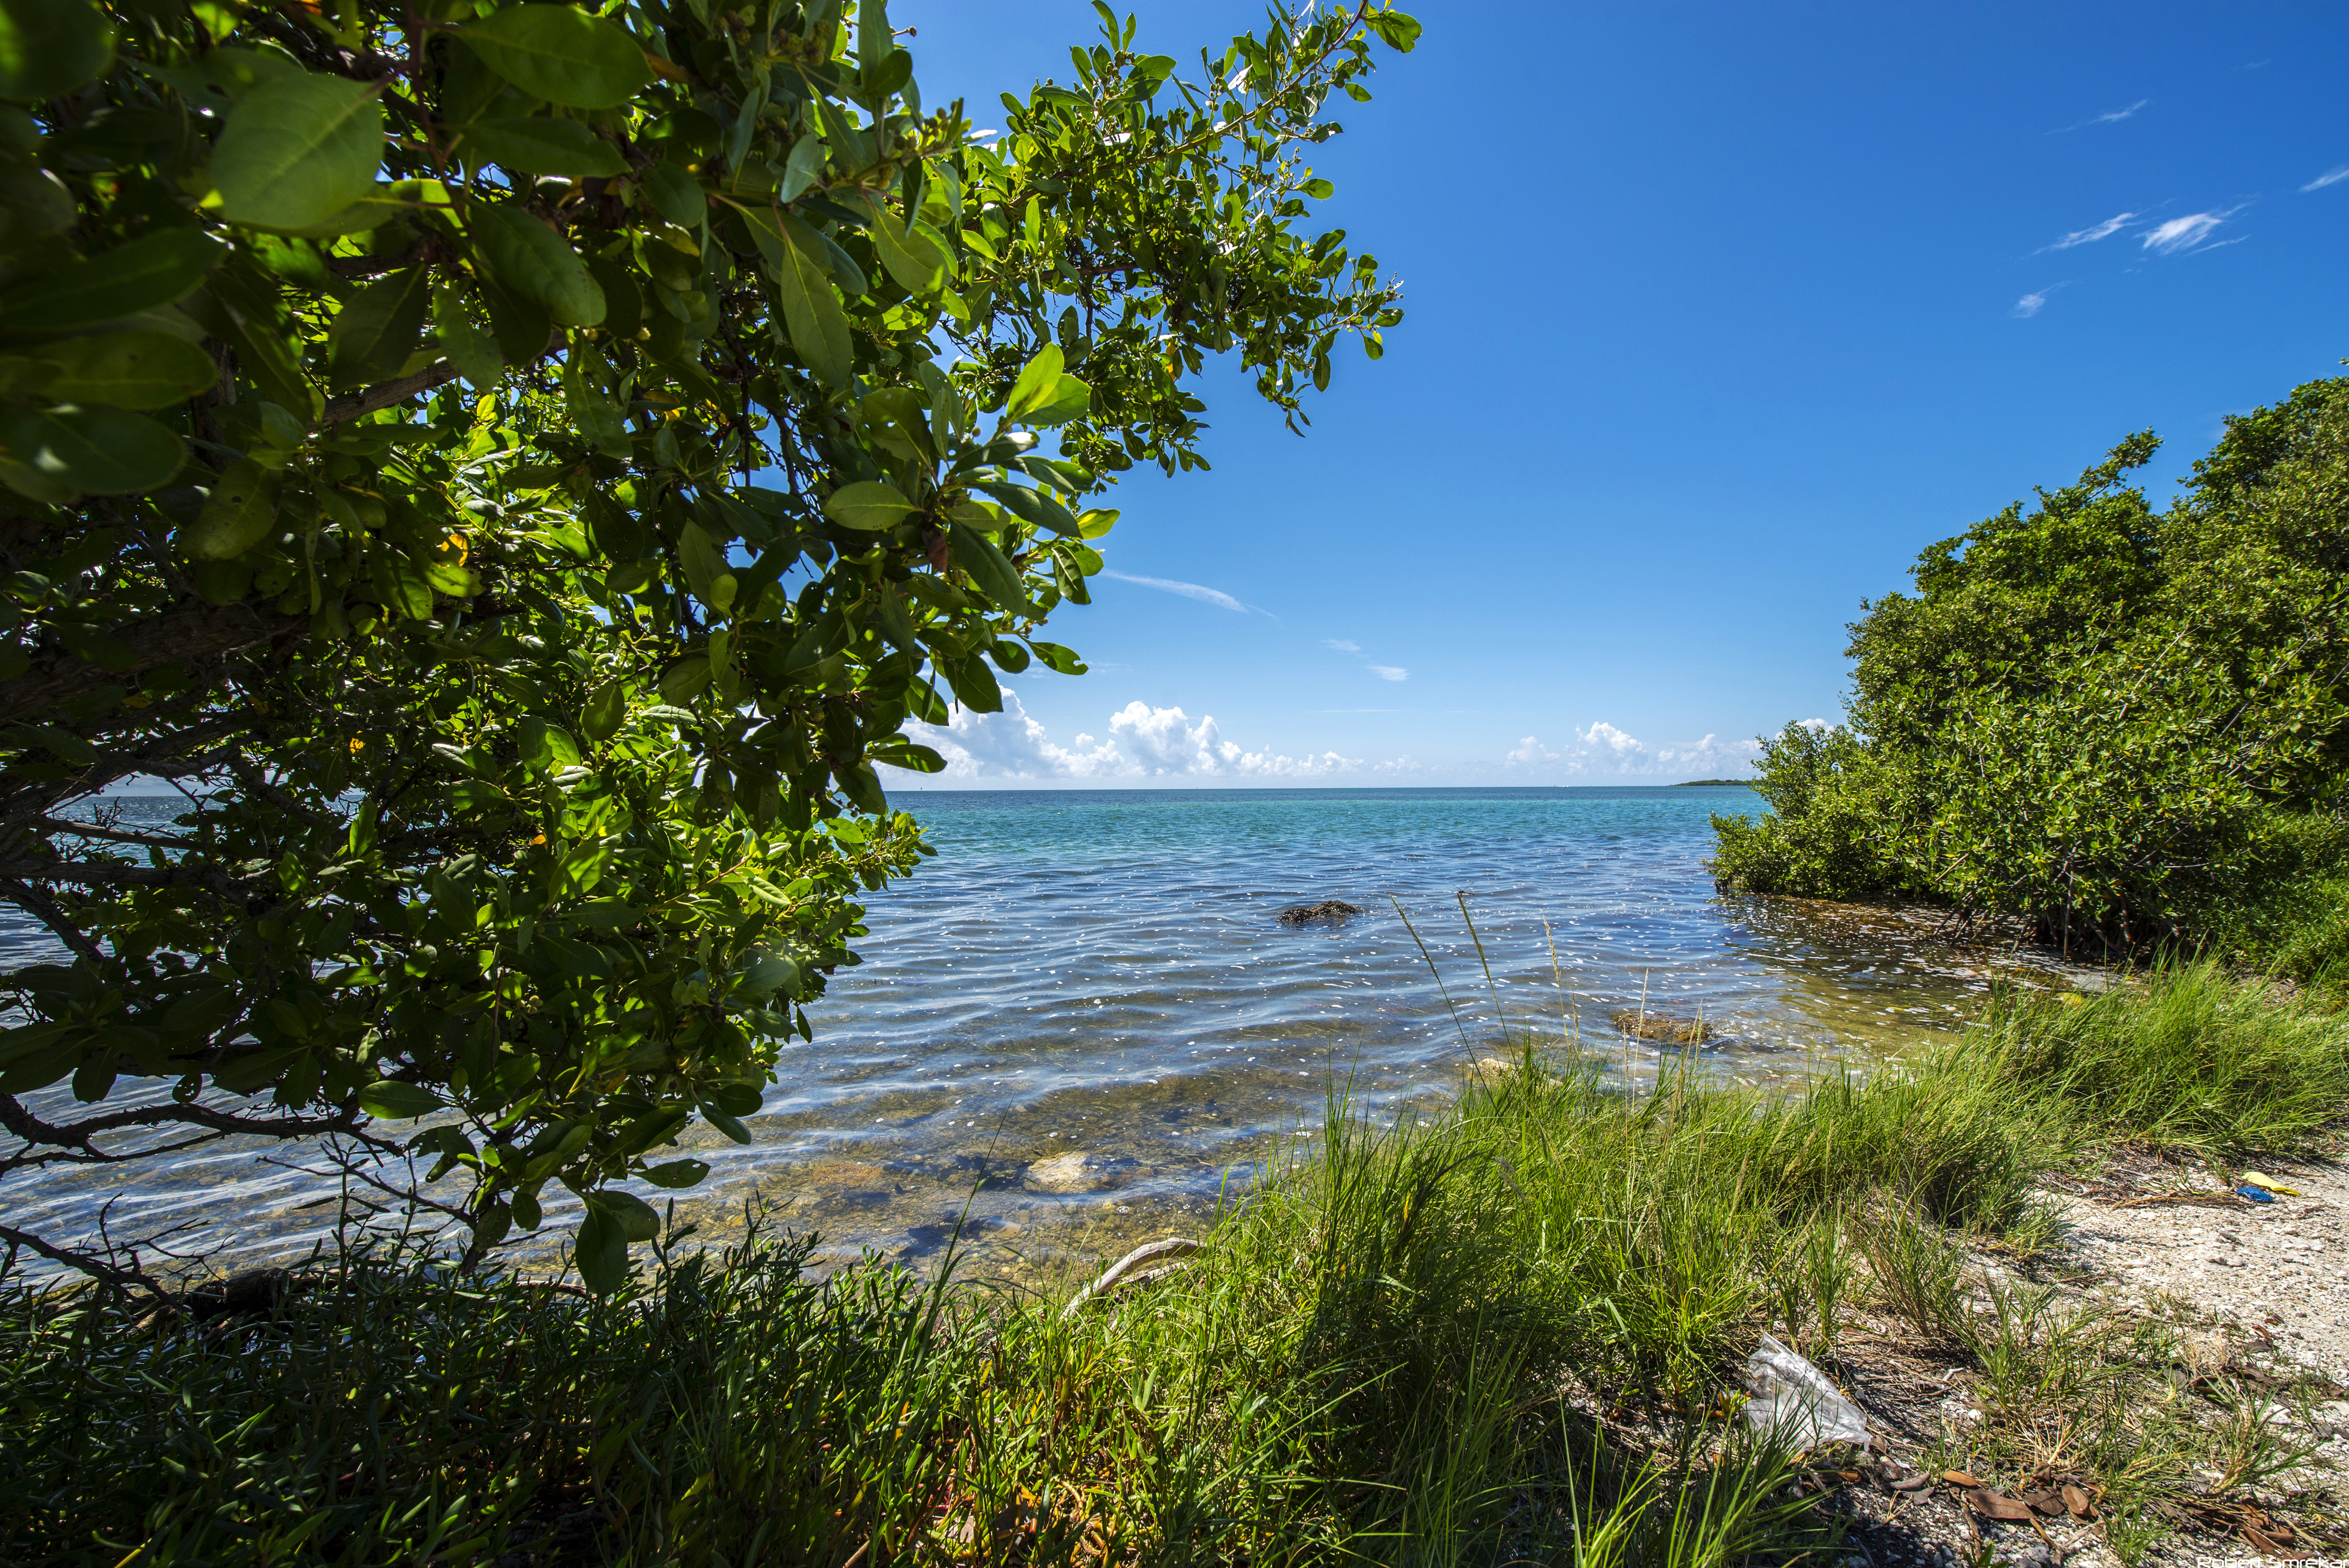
(2330, 177)
(1341, 645)
(1204, 593)
(2190, 232)
(2091, 235)
(1388, 671)
(2031, 304)
(2110, 117)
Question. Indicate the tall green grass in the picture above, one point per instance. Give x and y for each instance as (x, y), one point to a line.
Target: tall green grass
(2184, 1058)
(1507, 1331)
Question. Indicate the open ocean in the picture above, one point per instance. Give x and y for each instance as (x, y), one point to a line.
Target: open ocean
(1082, 1019)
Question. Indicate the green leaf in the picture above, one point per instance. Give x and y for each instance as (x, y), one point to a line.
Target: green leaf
(580, 869)
(540, 144)
(157, 270)
(910, 754)
(532, 260)
(561, 54)
(812, 313)
(128, 369)
(545, 745)
(704, 560)
(473, 351)
(236, 516)
(91, 447)
(49, 48)
(677, 1173)
(869, 505)
(1034, 506)
(607, 705)
(377, 330)
(1397, 31)
(1055, 657)
(974, 684)
(521, 326)
(917, 264)
(603, 421)
(388, 1099)
(686, 680)
(1038, 379)
(730, 1125)
(601, 1250)
(676, 195)
(526, 1211)
(298, 151)
(638, 1219)
(1071, 399)
(989, 568)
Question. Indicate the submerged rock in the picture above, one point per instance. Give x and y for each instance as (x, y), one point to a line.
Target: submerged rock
(1326, 909)
(1076, 1171)
(1662, 1026)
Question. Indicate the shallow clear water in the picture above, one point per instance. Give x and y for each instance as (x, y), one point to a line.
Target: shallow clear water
(1084, 1016)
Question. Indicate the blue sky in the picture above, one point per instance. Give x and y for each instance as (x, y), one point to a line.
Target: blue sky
(1717, 314)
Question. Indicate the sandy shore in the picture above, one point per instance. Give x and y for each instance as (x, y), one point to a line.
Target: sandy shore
(2258, 1297)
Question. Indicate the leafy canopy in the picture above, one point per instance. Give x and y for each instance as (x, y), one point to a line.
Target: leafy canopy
(516, 468)
(2125, 725)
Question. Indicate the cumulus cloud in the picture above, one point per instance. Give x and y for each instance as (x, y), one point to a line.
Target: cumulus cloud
(1012, 746)
(1199, 591)
(1143, 742)
(2091, 235)
(2330, 177)
(1604, 750)
(2190, 232)
(1388, 671)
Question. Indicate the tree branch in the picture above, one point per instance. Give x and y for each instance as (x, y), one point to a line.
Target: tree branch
(44, 908)
(199, 631)
(351, 405)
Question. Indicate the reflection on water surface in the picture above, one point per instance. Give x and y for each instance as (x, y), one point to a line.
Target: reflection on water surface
(1082, 1019)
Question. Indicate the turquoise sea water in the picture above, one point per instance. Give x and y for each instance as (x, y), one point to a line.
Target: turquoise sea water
(1084, 1014)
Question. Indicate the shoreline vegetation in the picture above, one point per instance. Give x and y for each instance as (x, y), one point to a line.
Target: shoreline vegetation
(2125, 725)
(1511, 1328)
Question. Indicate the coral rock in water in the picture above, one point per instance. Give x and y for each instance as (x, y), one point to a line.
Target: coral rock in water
(1326, 909)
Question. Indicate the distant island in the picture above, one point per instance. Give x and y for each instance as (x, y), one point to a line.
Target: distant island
(1706, 784)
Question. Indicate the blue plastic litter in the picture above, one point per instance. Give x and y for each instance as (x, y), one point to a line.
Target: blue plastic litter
(2256, 1194)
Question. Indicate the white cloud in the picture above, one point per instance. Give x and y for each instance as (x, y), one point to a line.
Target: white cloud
(2110, 117)
(1204, 594)
(2029, 305)
(1164, 743)
(1143, 742)
(2185, 234)
(1605, 751)
(2330, 177)
(1341, 645)
(1010, 745)
(1531, 752)
(1388, 671)
(2091, 235)
(1814, 723)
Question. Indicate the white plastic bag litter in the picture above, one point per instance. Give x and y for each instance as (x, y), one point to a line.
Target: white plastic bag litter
(1796, 1399)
